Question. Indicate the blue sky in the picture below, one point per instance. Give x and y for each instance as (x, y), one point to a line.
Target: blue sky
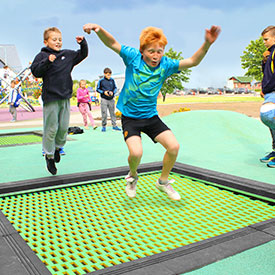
(183, 22)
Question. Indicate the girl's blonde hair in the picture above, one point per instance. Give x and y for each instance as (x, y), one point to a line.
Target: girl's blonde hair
(151, 35)
(81, 80)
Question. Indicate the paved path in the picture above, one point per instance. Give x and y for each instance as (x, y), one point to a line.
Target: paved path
(35, 119)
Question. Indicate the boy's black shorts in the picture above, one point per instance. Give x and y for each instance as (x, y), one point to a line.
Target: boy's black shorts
(151, 126)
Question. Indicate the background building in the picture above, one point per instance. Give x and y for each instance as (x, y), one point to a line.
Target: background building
(9, 57)
(243, 82)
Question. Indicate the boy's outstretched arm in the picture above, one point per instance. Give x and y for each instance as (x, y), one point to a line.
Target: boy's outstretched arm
(210, 37)
(83, 52)
(104, 36)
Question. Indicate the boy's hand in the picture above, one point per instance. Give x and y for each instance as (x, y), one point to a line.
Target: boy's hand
(262, 94)
(266, 54)
(212, 34)
(91, 27)
(79, 39)
(52, 57)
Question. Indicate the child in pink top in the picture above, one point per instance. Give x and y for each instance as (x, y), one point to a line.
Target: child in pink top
(84, 105)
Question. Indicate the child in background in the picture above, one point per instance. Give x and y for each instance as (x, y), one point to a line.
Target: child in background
(268, 90)
(14, 100)
(107, 88)
(6, 74)
(84, 105)
(146, 70)
(55, 66)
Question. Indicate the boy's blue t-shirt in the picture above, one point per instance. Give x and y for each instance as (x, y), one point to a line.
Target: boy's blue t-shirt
(138, 98)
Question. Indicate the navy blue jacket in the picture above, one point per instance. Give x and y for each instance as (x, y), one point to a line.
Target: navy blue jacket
(57, 79)
(105, 84)
(268, 82)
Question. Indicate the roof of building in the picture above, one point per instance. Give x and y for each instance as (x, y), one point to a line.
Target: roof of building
(9, 57)
(242, 79)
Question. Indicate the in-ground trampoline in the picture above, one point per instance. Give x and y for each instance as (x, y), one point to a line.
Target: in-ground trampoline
(20, 138)
(85, 224)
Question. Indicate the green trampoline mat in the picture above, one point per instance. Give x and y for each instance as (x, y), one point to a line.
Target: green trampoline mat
(88, 227)
(11, 140)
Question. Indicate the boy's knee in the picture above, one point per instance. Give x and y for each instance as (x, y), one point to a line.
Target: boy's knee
(173, 148)
(268, 120)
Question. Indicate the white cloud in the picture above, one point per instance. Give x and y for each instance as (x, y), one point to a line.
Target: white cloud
(183, 23)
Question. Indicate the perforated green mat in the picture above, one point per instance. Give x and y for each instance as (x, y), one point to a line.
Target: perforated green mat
(80, 229)
(11, 140)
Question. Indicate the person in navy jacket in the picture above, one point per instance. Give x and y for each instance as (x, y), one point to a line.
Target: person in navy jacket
(107, 88)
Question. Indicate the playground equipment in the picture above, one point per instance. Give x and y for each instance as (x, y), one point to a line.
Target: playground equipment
(94, 96)
(22, 81)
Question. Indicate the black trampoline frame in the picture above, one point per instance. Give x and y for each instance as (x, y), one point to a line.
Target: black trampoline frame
(24, 261)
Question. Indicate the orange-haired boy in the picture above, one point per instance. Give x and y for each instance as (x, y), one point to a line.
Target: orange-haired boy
(146, 70)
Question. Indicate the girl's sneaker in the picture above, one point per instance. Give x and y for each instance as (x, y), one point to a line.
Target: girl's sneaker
(268, 157)
(131, 183)
(169, 190)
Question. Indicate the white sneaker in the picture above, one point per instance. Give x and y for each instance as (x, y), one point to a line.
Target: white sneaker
(169, 190)
(131, 185)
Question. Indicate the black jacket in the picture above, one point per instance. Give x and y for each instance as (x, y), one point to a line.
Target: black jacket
(268, 82)
(57, 79)
(105, 84)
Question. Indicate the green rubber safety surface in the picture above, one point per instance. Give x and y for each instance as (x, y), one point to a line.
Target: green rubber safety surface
(19, 139)
(80, 229)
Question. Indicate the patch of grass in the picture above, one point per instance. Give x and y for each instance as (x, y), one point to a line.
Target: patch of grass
(73, 101)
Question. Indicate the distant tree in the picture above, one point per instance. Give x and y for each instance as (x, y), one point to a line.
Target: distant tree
(75, 87)
(174, 81)
(252, 59)
(91, 84)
